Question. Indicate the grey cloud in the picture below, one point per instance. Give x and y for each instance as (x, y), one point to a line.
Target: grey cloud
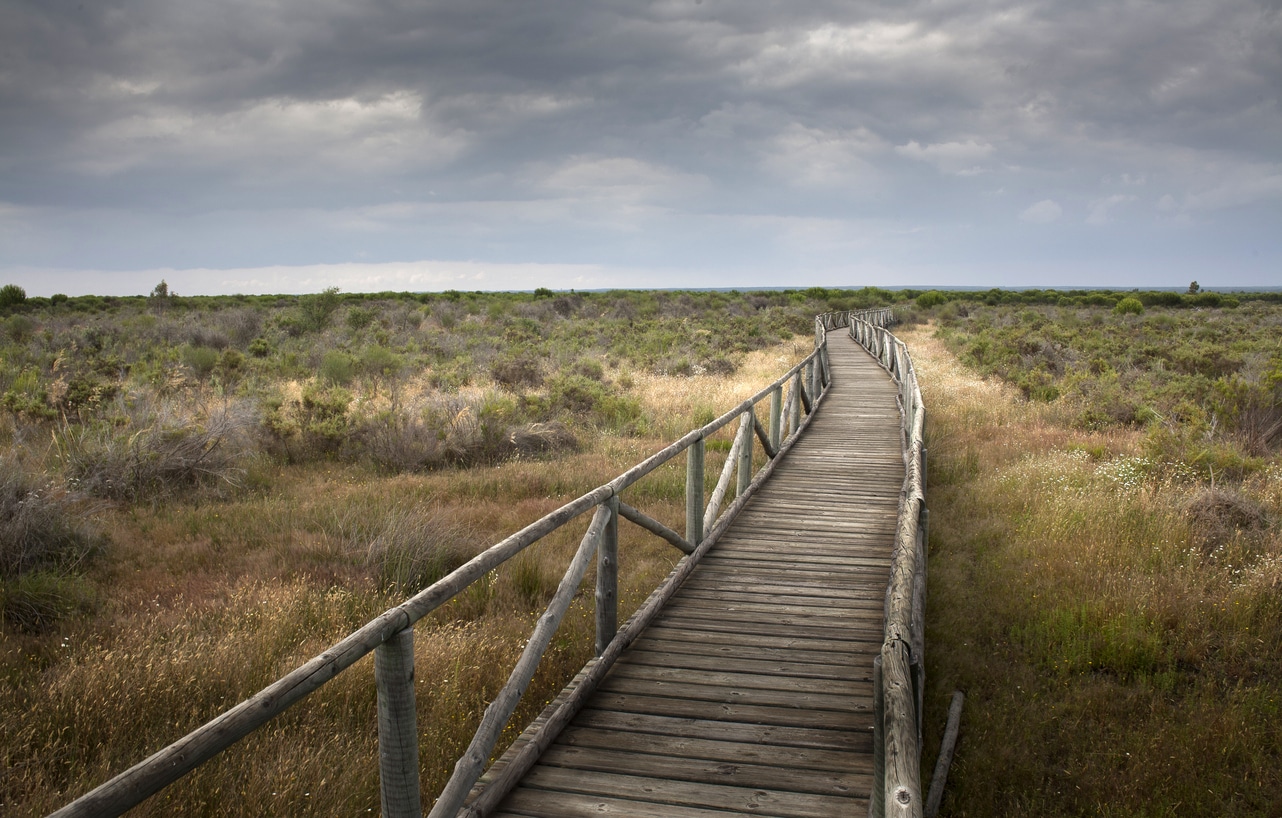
(696, 122)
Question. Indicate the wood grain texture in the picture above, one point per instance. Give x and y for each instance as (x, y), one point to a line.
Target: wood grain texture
(751, 691)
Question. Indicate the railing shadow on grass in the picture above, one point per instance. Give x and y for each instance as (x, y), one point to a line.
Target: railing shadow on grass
(793, 399)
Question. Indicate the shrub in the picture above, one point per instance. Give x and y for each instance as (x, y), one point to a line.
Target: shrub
(337, 368)
(157, 454)
(1129, 306)
(380, 361)
(415, 547)
(594, 401)
(260, 348)
(358, 318)
(1215, 515)
(201, 360)
(19, 328)
(42, 528)
(933, 298)
(27, 396)
(315, 310)
(11, 295)
(35, 602)
(517, 371)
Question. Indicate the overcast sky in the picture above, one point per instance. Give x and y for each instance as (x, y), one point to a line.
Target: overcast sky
(286, 146)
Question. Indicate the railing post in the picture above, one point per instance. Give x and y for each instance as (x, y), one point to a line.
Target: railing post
(794, 409)
(694, 493)
(776, 415)
(809, 382)
(397, 727)
(815, 377)
(745, 454)
(607, 579)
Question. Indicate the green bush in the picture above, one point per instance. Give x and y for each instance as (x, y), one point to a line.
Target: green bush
(337, 368)
(315, 310)
(1129, 306)
(11, 295)
(933, 298)
(28, 396)
(201, 360)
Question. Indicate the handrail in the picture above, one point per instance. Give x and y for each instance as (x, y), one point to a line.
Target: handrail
(899, 670)
(390, 635)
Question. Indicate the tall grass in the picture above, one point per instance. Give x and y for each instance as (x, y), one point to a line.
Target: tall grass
(208, 596)
(1114, 664)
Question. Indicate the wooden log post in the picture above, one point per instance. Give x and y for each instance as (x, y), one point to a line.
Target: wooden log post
(745, 453)
(902, 791)
(877, 798)
(694, 493)
(776, 415)
(607, 578)
(816, 375)
(939, 780)
(397, 727)
(794, 405)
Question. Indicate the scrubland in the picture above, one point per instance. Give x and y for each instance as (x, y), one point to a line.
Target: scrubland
(198, 494)
(1106, 559)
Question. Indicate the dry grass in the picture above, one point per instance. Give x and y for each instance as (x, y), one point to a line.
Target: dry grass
(205, 598)
(1113, 665)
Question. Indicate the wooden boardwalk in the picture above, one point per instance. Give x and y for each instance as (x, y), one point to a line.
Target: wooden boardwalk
(752, 690)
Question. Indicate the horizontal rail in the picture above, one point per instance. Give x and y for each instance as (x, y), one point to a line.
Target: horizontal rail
(144, 779)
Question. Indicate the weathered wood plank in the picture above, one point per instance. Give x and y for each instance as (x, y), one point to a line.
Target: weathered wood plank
(783, 716)
(754, 800)
(737, 772)
(766, 735)
(754, 752)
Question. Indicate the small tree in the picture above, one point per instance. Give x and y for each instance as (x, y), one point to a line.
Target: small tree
(11, 295)
(1194, 289)
(160, 296)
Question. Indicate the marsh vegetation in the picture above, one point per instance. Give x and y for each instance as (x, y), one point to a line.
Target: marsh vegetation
(200, 493)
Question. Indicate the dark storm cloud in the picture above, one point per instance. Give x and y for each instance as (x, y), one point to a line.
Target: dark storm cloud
(147, 133)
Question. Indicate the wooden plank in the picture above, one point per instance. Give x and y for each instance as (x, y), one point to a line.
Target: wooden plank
(769, 627)
(783, 716)
(738, 772)
(754, 752)
(731, 642)
(846, 684)
(767, 735)
(754, 800)
(527, 802)
(727, 694)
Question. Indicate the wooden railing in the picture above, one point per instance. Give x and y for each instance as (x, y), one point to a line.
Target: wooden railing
(899, 670)
(793, 399)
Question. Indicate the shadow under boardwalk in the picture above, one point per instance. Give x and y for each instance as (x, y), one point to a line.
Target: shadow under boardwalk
(752, 690)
